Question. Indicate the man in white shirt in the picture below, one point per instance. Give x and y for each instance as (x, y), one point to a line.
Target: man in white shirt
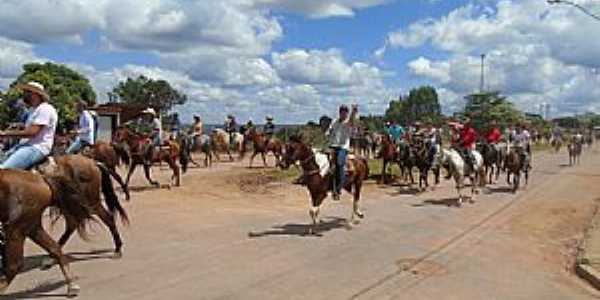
(339, 134)
(522, 140)
(37, 138)
(85, 129)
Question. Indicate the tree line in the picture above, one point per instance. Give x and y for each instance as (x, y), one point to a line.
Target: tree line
(67, 86)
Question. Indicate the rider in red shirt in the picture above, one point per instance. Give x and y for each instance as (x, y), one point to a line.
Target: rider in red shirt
(466, 143)
(494, 135)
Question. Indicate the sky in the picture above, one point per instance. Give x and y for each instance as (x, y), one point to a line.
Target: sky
(300, 59)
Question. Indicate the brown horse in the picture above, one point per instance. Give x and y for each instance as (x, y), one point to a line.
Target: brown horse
(79, 169)
(389, 154)
(21, 212)
(320, 184)
(111, 156)
(261, 144)
(137, 145)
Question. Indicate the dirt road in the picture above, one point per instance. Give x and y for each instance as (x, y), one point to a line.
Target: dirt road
(227, 234)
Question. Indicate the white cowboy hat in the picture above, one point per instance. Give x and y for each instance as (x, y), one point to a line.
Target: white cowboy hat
(269, 117)
(149, 111)
(35, 87)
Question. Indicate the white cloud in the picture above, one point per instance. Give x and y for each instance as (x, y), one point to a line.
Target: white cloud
(535, 53)
(13, 55)
(217, 52)
(318, 8)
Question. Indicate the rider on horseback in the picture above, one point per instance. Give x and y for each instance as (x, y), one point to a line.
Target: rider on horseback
(155, 135)
(38, 136)
(467, 140)
(85, 129)
(339, 141)
(230, 128)
(522, 144)
(494, 136)
(396, 133)
(269, 128)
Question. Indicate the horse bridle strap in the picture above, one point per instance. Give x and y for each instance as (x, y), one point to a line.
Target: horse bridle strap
(307, 160)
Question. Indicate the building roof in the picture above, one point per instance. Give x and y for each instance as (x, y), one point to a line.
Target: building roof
(126, 112)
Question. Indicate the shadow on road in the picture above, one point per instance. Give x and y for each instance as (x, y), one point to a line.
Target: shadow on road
(301, 229)
(450, 202)
(37, 262)
(41, 291)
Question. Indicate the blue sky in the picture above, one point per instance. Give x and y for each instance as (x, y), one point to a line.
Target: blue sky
(300, 59)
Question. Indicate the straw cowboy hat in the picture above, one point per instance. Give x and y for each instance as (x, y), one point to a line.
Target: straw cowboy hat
(269, 118)
(36, 88)
(149, 111)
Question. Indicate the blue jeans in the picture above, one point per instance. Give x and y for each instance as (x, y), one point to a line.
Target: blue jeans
(22, 157)
(340, 172)
(76, 146)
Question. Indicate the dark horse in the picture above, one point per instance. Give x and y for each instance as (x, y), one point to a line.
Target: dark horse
(261, 144)
(319, 185)
(137, 144)
(514, 165)
(424, 158)
(492, 160)
(189, 145)
(21, 212)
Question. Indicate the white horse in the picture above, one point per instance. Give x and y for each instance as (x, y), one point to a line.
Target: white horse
(457, 168)
(221, 142)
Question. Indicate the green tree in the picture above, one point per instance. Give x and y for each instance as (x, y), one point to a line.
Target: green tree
(421, 104)
(155, 93)
(482, 108)
(64, 85)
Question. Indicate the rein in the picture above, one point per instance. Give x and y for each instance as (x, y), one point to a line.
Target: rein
(307, 161)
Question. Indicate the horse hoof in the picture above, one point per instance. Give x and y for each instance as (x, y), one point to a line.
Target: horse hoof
(118, 255)
(348, 225)
(73, 290)
(3, 286)
(360, 215)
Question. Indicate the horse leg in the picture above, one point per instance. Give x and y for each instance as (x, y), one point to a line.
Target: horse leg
(355, 209)
(147, 174)
(383, 171)
(119, 180)
(109, 221)
(229, 153)
(41, 237)
(13, 257)
(132, 167)
(69, 230)
(176, 172)
(264, 159)
(252, 159)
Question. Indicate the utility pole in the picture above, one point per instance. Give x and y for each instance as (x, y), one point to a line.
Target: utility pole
(482, 84)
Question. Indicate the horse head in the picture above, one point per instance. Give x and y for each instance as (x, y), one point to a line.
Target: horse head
(295, 150)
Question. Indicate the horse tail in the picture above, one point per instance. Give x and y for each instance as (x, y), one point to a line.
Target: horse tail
(122, 153)
(68, 205)
(110, 197)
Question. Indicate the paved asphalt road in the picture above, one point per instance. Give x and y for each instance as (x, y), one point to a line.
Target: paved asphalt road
(407, 247)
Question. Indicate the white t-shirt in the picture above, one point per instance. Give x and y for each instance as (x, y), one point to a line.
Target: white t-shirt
(522, 139)
(86, 127)
(339, 134)
(46, 115)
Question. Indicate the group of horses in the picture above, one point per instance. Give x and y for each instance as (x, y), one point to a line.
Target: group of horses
(423, 156)
(72, 185)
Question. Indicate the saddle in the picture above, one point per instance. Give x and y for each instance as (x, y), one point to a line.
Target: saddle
(350, 164)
